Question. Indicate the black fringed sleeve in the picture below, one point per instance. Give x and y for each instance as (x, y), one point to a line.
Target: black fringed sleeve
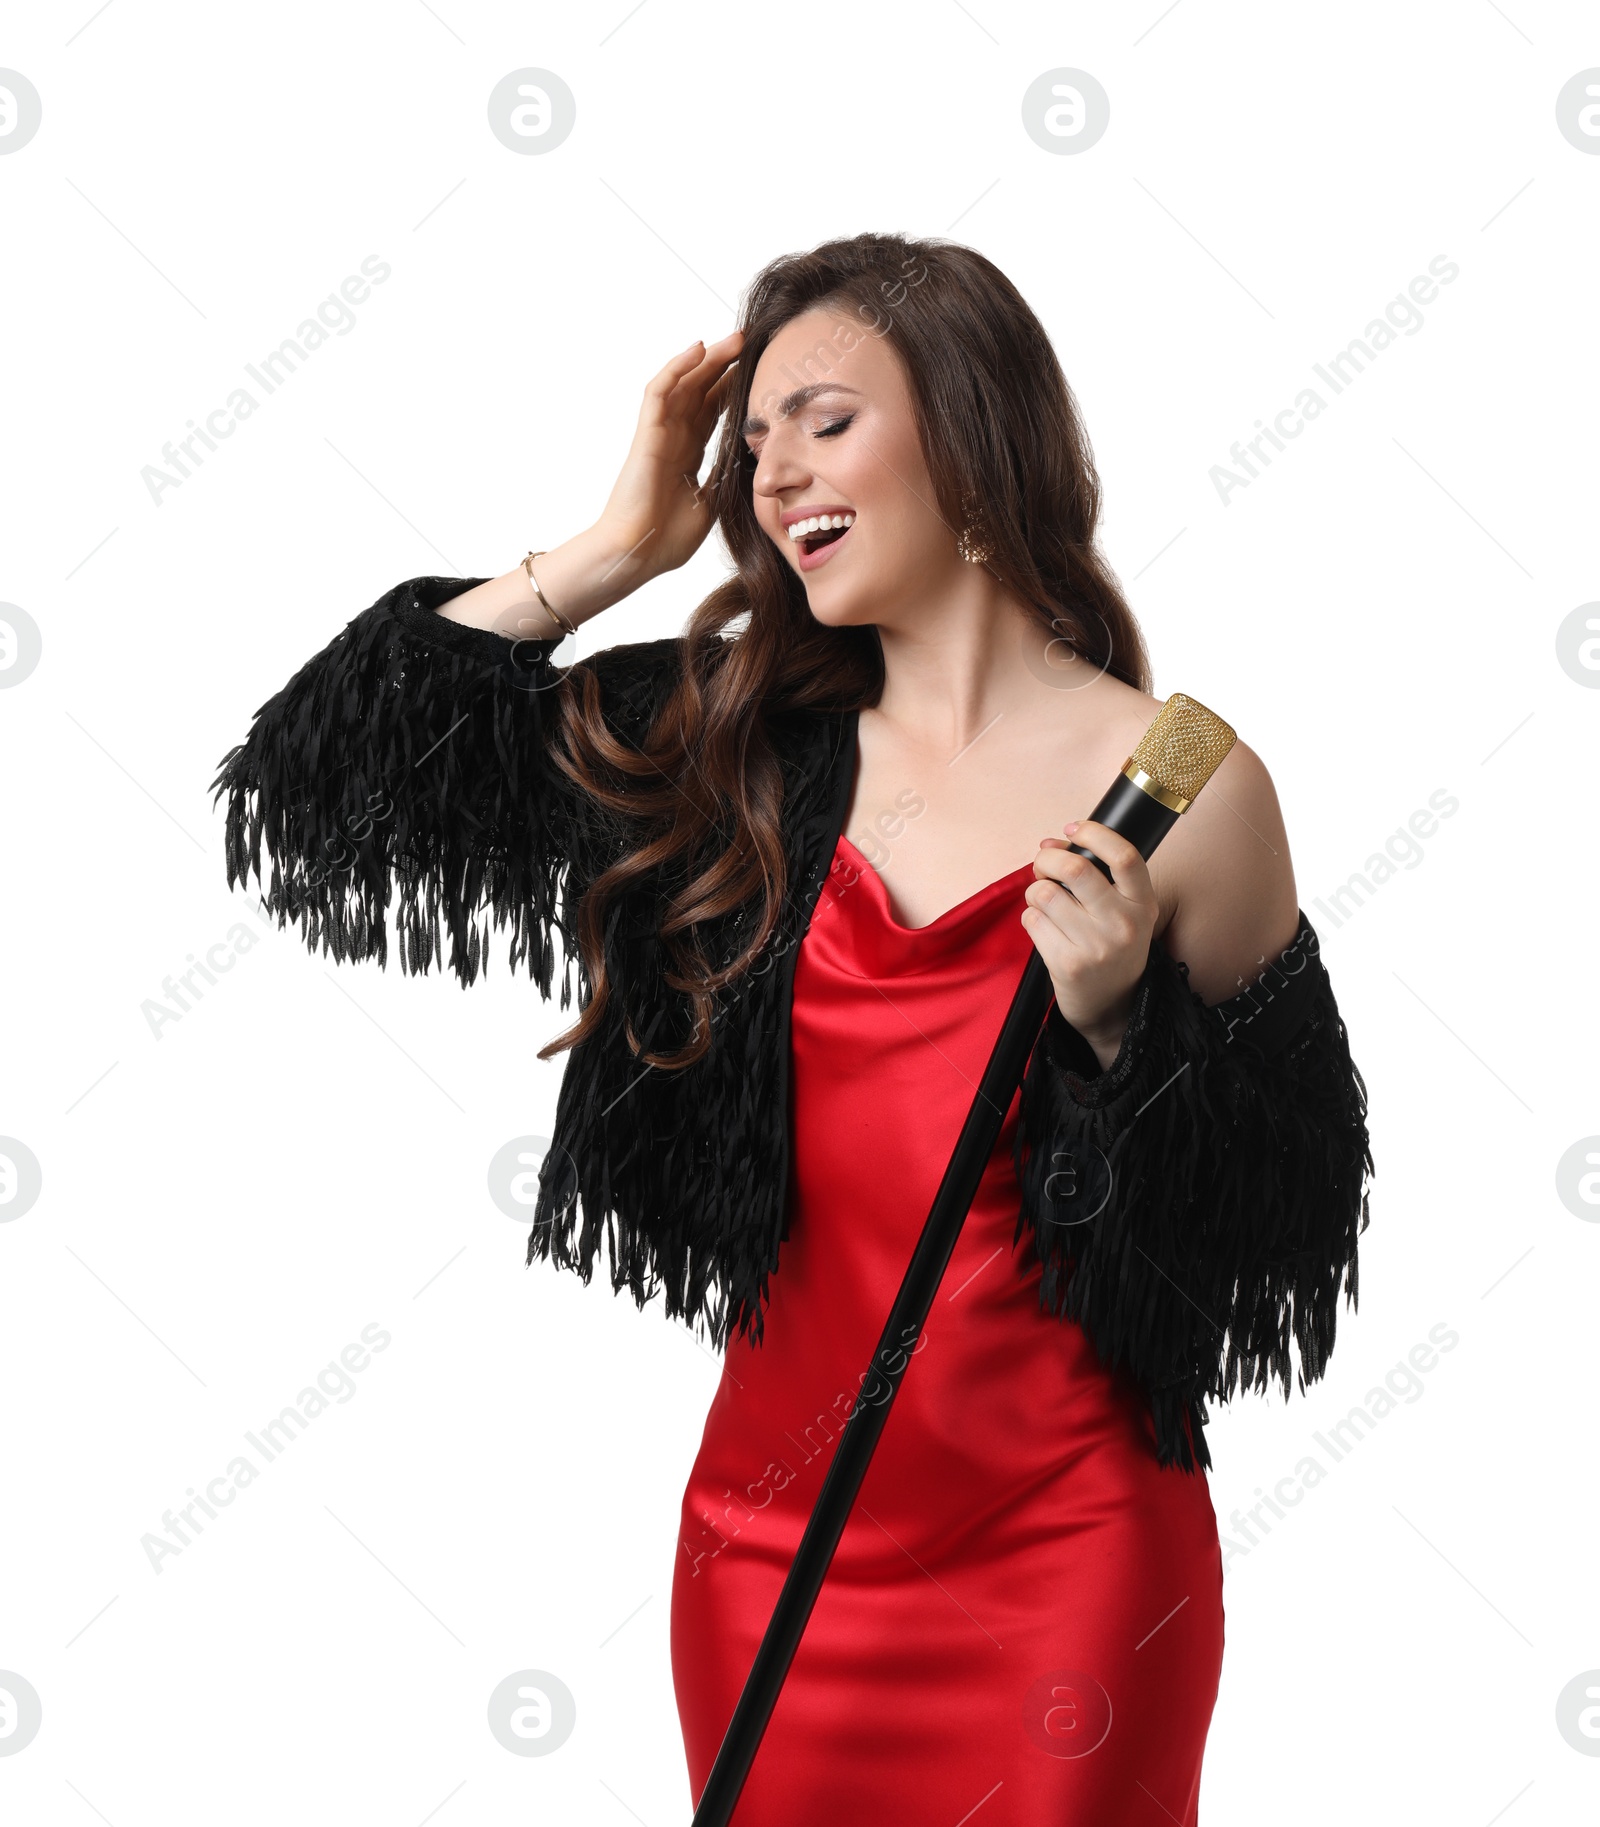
(1196, 1206)
(409, 759)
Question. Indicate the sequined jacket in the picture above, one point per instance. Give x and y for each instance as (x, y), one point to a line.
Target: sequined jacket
(1195, 1207)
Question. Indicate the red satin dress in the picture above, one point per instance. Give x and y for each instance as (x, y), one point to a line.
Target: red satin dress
(1023, 1622)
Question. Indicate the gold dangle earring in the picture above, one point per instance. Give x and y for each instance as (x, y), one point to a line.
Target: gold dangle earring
(970, 541)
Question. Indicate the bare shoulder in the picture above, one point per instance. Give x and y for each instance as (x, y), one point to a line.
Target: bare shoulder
(1120, 715)
(1229, 879)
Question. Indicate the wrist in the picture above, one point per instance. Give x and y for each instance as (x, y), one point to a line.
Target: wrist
(1105, 1037)
(579, 578)
(1105, 1047)
(619, 559)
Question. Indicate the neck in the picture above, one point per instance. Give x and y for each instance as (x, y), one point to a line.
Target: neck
(970, 655)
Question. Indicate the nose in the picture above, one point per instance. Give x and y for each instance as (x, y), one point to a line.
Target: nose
(779, 468)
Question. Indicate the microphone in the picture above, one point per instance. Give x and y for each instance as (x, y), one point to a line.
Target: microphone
(1179, 752)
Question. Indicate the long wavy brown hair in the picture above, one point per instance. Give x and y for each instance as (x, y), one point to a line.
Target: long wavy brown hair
(703, 790)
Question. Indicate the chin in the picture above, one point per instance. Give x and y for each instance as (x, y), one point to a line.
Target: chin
(841, 612)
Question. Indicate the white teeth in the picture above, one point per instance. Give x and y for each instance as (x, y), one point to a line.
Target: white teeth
(820, 523)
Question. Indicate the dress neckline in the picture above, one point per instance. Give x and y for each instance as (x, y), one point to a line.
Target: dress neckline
(950, 914)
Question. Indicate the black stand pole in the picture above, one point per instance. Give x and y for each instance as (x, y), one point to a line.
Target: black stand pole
(853, 1454)
(1125, 808)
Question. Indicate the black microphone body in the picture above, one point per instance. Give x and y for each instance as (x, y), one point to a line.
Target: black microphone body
(1131, 812)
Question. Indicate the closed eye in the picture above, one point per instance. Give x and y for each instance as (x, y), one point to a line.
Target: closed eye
(831, 430)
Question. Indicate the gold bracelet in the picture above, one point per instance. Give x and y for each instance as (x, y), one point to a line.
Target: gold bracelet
(555, 615)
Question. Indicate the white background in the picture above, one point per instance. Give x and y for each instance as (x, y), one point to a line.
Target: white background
(303, 1153)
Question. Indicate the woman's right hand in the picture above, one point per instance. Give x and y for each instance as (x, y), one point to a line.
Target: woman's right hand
(657, 511)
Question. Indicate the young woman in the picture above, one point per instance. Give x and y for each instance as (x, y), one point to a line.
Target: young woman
(798, 856)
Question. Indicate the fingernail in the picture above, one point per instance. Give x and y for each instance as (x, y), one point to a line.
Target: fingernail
(1069, 829)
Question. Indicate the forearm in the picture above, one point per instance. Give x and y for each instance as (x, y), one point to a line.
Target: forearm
(580, 577)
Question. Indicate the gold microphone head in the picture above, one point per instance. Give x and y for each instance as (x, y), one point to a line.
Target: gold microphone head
(1179, 752)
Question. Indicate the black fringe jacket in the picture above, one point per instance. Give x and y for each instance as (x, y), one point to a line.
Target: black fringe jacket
(1195, 1207)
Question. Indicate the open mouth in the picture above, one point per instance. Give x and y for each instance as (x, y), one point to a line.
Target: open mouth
(816, 546)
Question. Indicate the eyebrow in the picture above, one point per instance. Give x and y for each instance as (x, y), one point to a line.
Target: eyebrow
(791, 402)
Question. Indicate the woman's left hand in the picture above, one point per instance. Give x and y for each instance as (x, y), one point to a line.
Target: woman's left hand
(1093, 935)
